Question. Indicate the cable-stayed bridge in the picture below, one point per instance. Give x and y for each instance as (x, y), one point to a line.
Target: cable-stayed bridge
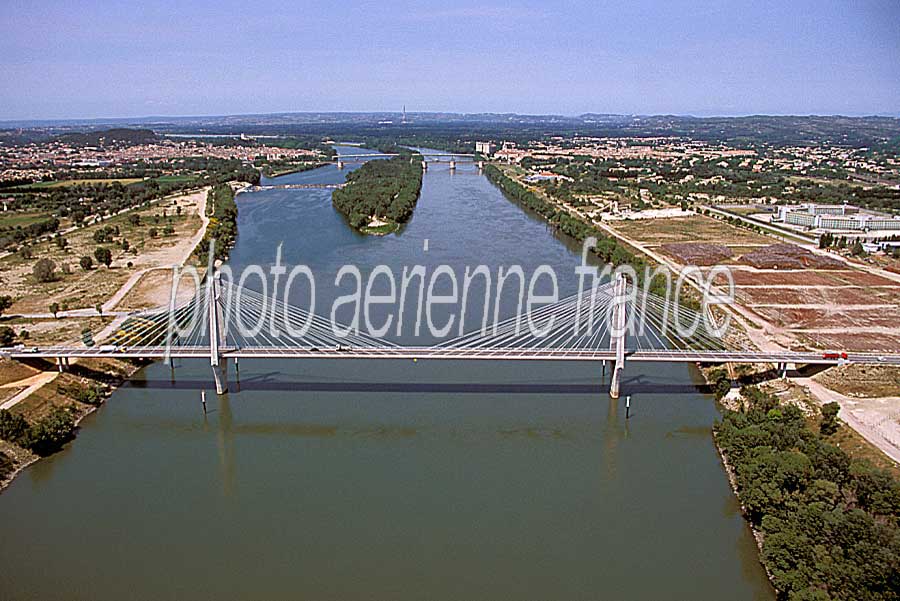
(616, 322)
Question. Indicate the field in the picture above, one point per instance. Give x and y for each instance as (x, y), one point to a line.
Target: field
(653, 232)
(76, 288)
(13, 219)
(798, 297)
(74, 182)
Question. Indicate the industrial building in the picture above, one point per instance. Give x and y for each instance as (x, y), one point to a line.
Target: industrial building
(835, 218)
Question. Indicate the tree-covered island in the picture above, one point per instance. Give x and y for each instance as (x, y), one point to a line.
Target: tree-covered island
(380, 196)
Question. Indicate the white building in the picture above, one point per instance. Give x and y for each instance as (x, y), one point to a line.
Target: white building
(485, 148)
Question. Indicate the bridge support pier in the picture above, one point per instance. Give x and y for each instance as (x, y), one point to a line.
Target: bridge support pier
(617, 336)
(340, 164)
(220, 375)
(481, 164)
(60, 365)
(452, 165)
(424, 165)
(216, 332)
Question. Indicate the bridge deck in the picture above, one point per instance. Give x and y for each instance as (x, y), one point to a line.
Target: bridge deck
(412, 352)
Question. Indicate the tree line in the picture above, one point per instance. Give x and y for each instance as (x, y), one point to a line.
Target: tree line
(830, 524)
(222, 222)
(608, 249)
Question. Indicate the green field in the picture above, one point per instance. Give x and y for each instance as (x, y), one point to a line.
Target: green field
(74, 182)
(15, 219)
(174, 179)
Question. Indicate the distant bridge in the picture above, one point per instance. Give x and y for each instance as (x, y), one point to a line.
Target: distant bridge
(296, 187)
(594, 325)
(432, 157)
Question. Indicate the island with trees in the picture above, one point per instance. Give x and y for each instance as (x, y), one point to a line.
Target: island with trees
(380, 196)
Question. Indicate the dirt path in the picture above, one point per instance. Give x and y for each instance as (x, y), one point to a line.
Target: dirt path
(32, 383)
(177, 255)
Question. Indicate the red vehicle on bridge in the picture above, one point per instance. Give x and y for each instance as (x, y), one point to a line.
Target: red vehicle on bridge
(834, 355)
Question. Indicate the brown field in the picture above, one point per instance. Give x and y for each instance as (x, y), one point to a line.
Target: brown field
(857, 341)
(807, 296)
(788, 256)
(829, 318)
(862, 381)
(697, 253)
(154, 290)
(687, 229)
(861, 278)
(749, 277)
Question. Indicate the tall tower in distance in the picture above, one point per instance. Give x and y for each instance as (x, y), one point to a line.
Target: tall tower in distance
(403, 120)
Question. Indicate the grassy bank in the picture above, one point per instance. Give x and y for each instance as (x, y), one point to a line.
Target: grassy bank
(44, 422)
(381, 195)
(828, 525)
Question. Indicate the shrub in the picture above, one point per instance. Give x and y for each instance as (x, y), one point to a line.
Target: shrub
(103, 255)
(7, 336)
(13, 426)
(86, 262)
(829, 423)
(6, 465)
(88, 394)
(44, 270)
(49, 434)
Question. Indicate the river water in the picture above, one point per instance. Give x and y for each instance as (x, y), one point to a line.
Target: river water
(387, 479)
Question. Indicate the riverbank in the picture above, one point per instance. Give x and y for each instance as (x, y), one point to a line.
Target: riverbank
(33, 403)
(801, 495)
(80, 391)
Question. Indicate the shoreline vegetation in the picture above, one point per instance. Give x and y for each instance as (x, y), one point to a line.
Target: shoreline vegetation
(45, 422)
(827, 525)
(48, 419)
(380, 196)
(608, 249)
(222, 211)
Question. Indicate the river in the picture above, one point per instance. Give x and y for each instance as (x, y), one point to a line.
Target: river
(387, 479)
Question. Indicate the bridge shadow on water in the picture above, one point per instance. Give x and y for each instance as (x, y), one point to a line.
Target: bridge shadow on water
(273, 383)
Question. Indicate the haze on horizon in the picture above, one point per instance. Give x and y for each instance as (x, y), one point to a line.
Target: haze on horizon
(95, 59)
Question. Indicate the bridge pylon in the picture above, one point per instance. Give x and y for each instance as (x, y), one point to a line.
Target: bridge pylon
(218, 363)
(617, 335)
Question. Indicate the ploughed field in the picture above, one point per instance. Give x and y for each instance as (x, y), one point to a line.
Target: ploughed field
(819, 301)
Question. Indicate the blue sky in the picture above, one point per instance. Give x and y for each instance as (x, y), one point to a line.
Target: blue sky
(85, 58)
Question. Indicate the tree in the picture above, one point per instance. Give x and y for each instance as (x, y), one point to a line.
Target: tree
(12, 426)
(153, 232)
(26, 253)
(44, 270)
(7, 336)
(54, 308)
(829, 423)
(103, 255)
(50, 433)
(86, 262)
(99, 308)
(6, 302)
